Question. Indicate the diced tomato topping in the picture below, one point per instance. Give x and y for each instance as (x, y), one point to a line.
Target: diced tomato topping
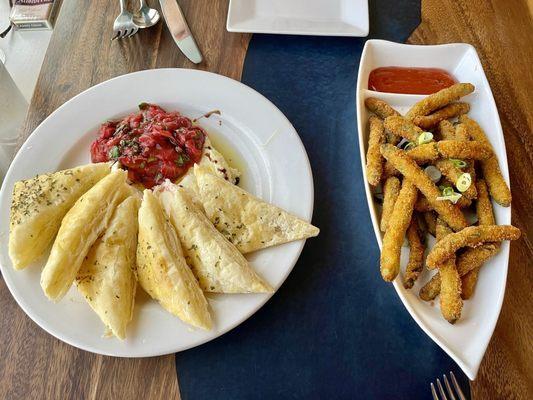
(152, 145)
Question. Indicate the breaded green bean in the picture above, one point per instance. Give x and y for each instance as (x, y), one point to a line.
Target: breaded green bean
(440, 99)
(451, 214)
(430, 218)
(450, 283)
(391, 189)
(383, 110)
(374, 160)
(450, 171)
(389, 170)
(395, 233)
(431, 289)
(402, 127)
(446, 130)
(468, 284)
(429, 152)
(499, 190)
(473, 259)
(468, 261)
(461, 133)
(416, 254)
(422, 204)
(380, 108)
(471, 236)
(450, 111)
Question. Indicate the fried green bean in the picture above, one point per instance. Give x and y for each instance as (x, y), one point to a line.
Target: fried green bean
(395, 233)
(416, 254)
(498, 188)
(380, 108)
(399, 126)
(430, 152)
(471, 236)
(451, 304)
(451, 214)
(439, 100)
(450, 111)
(446, 130)
(374, 159)
(391, 189)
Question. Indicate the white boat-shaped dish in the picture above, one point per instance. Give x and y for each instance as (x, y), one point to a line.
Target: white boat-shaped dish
(467, 340)
(299, 17)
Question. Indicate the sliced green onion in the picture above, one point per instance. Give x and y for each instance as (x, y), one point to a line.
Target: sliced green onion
(464, 182)
(409, 145)
(433, 173)
(425, 137)
(454, 198)
(447, 191)
(458, 163)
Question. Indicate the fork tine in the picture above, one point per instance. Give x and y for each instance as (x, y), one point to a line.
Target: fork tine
(448, 387)
(441, 390)
(457, 387)
(133, 32)
(434, 392)
(117, 33)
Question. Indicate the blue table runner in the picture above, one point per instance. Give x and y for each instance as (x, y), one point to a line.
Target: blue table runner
(335, 329)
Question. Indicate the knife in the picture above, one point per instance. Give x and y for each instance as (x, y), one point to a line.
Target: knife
(180, 30)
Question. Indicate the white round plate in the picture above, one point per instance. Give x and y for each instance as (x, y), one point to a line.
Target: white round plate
(250, 130)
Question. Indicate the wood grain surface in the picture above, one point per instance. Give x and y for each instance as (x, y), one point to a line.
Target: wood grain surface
(33, 364)
(502, 33)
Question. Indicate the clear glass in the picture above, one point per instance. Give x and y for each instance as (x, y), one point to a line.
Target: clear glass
(13, 108)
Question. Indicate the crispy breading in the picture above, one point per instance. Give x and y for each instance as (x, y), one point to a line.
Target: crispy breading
(431, 289)
(499, 190)
(389, 170)
(446, 130)
(474, 258)
(450, 111)
(450, 171)
(374, 160)
(429, 152)
(451, 214)
(439, 100)
(461, 133)
(416, 254)
(380, 108)
(471, 236)
(468, 284)
(430, 218)
(391, 189)
(450, 283)
(395, 233)
(402, 127)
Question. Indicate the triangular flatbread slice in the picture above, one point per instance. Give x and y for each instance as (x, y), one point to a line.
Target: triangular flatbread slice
(107, 276)
(217, 263)
(162, 270)
(38, 206)
(246, 221)
(80, 228)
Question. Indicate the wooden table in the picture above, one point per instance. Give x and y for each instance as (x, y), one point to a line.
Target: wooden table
(35, 365)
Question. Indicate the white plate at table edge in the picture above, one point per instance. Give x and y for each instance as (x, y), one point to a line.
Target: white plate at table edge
(258, 132)
(237, 21)
(466, 341)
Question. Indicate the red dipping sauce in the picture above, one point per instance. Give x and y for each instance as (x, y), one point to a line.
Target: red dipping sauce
(409, 80)
(152, 145)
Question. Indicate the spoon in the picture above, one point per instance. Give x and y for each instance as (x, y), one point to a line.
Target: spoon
(145, 16)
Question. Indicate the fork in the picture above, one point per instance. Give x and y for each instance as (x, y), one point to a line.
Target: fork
(458, 392)
(124, 25)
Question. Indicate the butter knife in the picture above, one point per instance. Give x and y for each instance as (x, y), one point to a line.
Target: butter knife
(180, 30)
